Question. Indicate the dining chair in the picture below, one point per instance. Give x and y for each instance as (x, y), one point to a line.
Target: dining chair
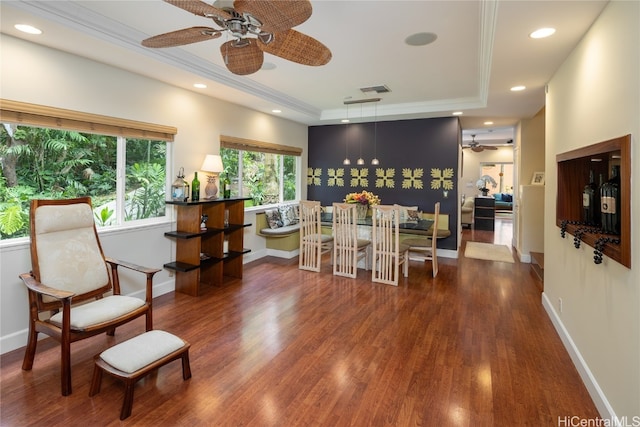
(313, 244)
(73, 282)
(388, 253)
(348, 250)
(426, 247)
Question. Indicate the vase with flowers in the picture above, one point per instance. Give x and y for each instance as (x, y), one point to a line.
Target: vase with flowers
(482, 184)
(363, 201)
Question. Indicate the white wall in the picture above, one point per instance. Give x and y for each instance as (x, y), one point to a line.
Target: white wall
(38, 75)
(529, 155)
(595, 96)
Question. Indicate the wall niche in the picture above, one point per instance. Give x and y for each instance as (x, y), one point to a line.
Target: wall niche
(574, 168)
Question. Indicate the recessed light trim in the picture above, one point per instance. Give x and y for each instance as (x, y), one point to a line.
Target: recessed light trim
(518, 88)
(457, 113)
(488, 123)
(276, 111)
(421, 39)
(200, 85)
(542, 33)
(345, 120)
(29, 29)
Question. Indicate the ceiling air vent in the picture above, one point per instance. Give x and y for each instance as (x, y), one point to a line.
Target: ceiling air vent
(376, 89)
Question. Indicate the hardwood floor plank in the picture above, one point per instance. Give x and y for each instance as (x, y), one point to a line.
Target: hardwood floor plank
(286, 347)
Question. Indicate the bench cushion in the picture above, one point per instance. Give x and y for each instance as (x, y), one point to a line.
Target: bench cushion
(136, 353)
(281, 231)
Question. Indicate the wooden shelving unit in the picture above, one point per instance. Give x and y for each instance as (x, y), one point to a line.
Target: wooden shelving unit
(484, 213)
(573, 173)
(193, 270)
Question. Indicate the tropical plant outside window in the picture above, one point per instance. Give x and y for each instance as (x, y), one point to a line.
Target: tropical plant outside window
(60, 164)
(266, 178)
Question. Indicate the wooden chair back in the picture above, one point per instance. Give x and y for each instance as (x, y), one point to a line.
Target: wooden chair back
(388, 253)
(312, 242)
(348, 250)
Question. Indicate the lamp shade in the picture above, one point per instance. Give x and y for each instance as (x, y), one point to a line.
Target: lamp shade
(212, 163)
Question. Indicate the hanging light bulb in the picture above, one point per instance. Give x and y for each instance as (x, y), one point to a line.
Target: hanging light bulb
(346, 160)
(360, 160)
(375, 161)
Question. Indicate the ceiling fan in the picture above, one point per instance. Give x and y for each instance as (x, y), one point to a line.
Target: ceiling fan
(255, 26)
(477, 147)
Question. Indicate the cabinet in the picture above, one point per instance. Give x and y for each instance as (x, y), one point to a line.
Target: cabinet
(202, 256)
(484, 213)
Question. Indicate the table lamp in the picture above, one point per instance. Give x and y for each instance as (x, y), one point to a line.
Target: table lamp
(212, 163)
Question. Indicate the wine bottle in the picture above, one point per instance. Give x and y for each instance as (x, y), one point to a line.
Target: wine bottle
(590, 202)
(226, 187)
(610, 203)
(195, 188)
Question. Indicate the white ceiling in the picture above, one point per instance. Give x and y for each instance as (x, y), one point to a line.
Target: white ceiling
(481, 51)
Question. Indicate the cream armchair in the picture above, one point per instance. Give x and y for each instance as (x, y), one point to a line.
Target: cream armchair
(466, 212)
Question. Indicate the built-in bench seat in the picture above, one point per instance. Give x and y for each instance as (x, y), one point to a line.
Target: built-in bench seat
(285, 238)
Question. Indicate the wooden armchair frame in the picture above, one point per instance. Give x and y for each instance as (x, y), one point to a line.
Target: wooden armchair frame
(44, 297)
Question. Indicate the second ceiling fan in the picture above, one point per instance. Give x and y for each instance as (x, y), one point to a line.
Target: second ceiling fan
(257, 26)
(477, 147)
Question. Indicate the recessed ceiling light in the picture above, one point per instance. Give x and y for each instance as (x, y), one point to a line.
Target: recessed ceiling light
(518, 88)
(488, 123)
(25, 28)
(420, 39)
(200, 85)
(345, 120)
(542, 33)
(276, 111)
(457, 113)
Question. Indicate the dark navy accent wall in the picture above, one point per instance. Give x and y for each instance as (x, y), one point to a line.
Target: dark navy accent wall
(418, 162)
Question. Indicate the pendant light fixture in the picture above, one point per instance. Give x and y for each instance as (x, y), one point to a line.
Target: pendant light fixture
(346, 160)
(360, 160)
(375, 161)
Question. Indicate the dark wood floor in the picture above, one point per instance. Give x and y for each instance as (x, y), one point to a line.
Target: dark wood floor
(284, 347)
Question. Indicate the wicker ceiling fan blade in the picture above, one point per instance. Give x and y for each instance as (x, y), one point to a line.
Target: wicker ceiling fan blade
(200, 8)
(477, 149)
(182, 37)
(276, 15)
(242, 57)
(297, 47)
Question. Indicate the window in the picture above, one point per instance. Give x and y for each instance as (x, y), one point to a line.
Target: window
(125, 175)
(266, 173)
(502, 173)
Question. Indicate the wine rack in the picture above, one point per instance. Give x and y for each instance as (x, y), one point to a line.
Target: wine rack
(573, 173)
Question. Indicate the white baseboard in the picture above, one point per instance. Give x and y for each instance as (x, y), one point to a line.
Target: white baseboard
(596, 393)
(19, 338)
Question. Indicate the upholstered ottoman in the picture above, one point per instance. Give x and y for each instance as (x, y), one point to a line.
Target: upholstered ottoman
(135, 358)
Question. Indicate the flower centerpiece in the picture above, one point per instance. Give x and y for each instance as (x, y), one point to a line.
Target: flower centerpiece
(363, 200)
(481, 184)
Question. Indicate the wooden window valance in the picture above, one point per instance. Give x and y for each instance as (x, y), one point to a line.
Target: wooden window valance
(235, 143)
(59, 118)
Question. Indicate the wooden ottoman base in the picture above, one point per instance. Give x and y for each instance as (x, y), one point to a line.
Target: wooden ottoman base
(133, 359)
